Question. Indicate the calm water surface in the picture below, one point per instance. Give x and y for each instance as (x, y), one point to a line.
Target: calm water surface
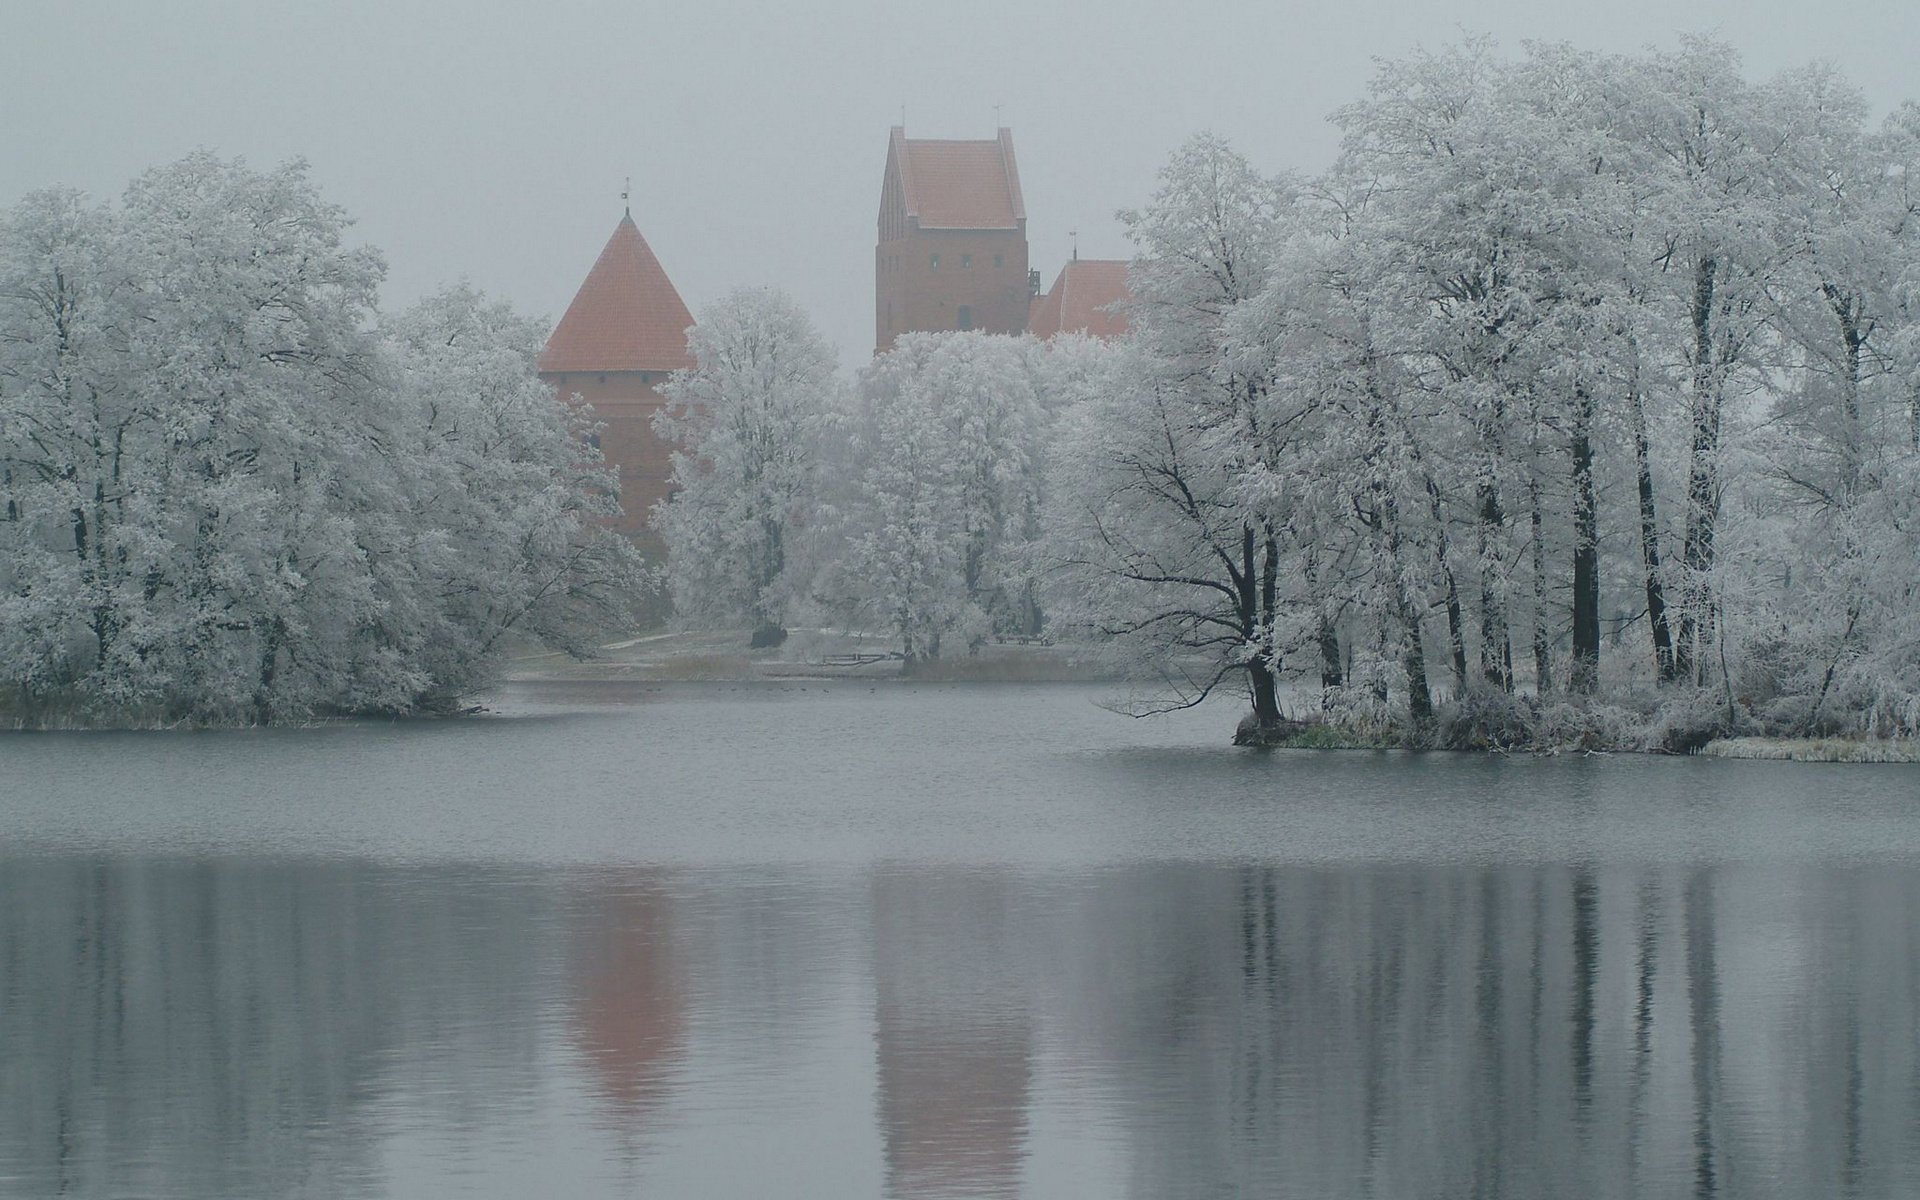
(849, 941)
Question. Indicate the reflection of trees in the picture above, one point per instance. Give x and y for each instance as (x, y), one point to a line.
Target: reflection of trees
(215, 1029)
(219, 1029)
(1703, 1024)
(954, 1032)
(1508, 1031)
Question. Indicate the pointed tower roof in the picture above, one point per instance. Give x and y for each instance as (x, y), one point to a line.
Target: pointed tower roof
(625, 317)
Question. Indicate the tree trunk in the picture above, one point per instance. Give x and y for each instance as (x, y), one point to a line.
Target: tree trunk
(1419, 692)
(1703, 485)
(1496, 651)
(1456, 621)
(1584, 668)
(1326, 634)
(1266, 702)
(1663, 661)
(1846, 311)
(1332, 677)
(1542, 661)
(1256, 584)
(269, 668)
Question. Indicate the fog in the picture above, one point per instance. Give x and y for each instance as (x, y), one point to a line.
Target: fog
(491, 141)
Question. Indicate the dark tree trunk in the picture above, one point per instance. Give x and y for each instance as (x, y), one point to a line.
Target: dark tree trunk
(1542, 661)
(1257, 585)
(1456, 620)
(1847, 312)
(269, 670)
(1419, 693)
(1326, 634)
(1496, 651)
(1332, 677)
(1266, 701)
(1663, 661)
(1703, 490)
(1456, 634)
(1584, 668)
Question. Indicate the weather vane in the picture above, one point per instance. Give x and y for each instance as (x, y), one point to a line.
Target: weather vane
(1075, 235)
(626, 192)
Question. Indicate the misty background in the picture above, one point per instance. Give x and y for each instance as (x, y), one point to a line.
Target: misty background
(490, 141)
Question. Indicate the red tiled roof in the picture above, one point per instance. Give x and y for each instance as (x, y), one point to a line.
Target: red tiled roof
(1043, 314)
(960, 184)
(625, 317)
(1081, 298)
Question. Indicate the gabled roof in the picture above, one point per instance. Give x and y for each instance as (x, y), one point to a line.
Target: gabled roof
(1081, 300)
(625, 317)
(957, 184)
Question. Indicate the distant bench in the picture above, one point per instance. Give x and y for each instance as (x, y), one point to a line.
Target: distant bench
(859, 660)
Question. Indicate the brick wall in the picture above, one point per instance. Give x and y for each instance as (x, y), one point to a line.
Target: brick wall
(912, 294)
(624, 402)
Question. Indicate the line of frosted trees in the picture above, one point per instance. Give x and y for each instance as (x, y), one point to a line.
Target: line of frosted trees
(231, 491)
(1579, 401)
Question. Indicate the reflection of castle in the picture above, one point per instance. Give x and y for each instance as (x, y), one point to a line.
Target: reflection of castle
(631, 1018)
(954, 1031)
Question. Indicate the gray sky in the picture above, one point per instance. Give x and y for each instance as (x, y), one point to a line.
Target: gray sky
(489, 140)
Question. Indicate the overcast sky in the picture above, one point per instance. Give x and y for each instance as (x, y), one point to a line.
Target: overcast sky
(489, 140)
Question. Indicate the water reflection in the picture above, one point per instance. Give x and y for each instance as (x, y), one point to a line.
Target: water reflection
(954, 1030)
(631, 1019)
(175, 1027)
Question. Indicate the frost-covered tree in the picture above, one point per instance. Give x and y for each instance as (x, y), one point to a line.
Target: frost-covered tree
(1568, 351)
(505, 505)
(228, 498)
(749, 419)
(1169, 514)
(942, 497)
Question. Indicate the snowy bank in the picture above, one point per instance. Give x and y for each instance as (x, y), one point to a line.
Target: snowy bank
(1834, 750)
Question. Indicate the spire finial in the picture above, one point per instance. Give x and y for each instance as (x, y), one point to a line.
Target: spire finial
(626, 194)
(1075, 235)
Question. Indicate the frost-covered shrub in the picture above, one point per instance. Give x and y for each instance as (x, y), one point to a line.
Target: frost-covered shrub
(1487, 719)
(1689, 719)
(1593, 725)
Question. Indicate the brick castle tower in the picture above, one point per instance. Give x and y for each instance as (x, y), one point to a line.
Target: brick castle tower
(625, 331)
(952, 250)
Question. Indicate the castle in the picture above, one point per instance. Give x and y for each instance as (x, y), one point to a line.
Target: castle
(951, 253)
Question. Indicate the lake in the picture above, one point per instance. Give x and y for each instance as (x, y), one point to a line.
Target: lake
(863, 940)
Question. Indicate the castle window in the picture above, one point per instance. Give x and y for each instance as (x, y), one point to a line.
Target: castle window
(593, 439)
(935, 262)
(999, 260)
(966, 260)
(966, 316)
(603, 379)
